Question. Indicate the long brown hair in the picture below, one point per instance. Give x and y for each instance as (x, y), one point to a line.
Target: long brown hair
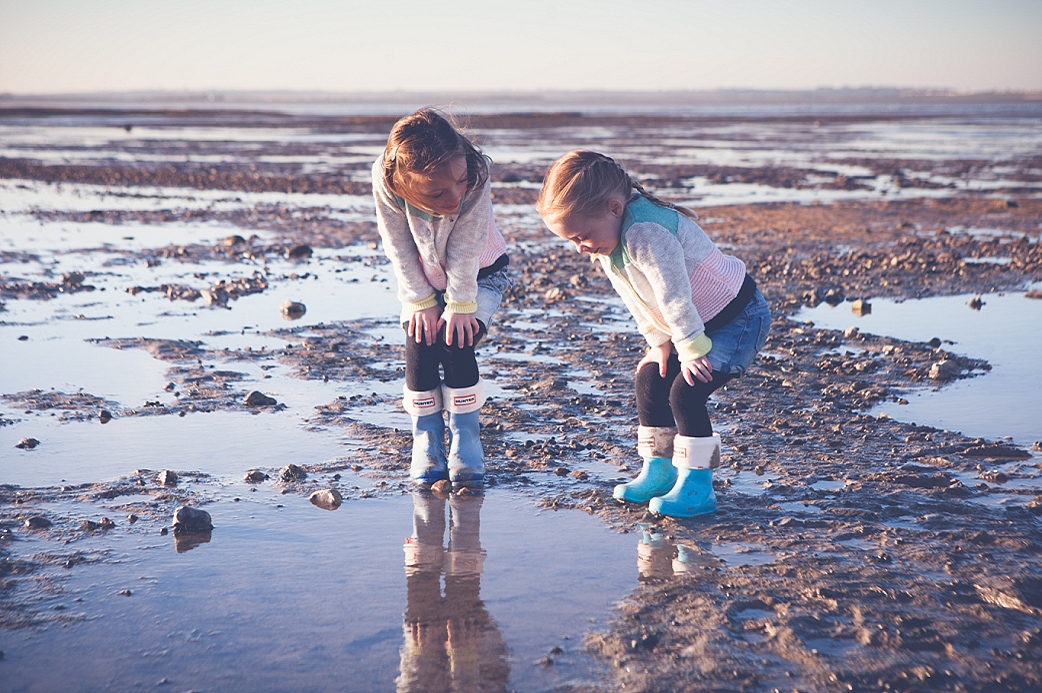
(581, 181)
(423, 141)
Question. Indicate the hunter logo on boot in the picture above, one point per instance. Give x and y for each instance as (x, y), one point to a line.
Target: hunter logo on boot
(680, 452)
(424, 403)
(463, 400)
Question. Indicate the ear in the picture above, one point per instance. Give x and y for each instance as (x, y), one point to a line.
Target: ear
(615, 206)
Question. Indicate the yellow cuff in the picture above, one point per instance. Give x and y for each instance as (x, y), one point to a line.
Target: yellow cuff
(461, 308)
(694, 348)
(426, 303)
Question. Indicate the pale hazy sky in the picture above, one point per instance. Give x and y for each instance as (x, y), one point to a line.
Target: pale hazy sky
(51, 46)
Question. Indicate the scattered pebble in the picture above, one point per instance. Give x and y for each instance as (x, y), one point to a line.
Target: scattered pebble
(167, 478)
(188, 519)
(292, 472)
(256, 398)
(327, 498)
(27, 443)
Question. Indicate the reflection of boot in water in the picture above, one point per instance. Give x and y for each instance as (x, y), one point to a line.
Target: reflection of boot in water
(424, 664)
(690, 559)
(477, 652)
(654, 557)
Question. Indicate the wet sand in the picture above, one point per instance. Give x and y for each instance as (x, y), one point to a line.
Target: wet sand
(865, 552)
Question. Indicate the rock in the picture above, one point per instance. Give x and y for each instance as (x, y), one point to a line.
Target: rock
(106, 523)
(976, 303)
(861, 307)
(561, 471)
(37, 522)
(299, 252)
(327, 498)
(104, 416)
(934, 343)
(441, 488)
(214, 296)
(554, 294)
(234, 241)
(27, 443)
(1034, 293)
(72, 278)
(167, 478)
(996, 452)
(259, 399)
(292, 472)
(851, 332)
(89, 526)
(292, 310)
(944, 370)
(188, 520)
(256, 476)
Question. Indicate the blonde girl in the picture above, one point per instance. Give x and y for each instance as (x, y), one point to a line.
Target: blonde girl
(434, 214)
(701, 314)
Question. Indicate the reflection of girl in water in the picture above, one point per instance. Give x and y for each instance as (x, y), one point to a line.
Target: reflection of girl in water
(451, 641)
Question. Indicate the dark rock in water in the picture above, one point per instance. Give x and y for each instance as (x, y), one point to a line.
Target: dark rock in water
(256, 476)
(996, 452)
(259, 399)
(106, 523)
(188, 520)
(861, 307)
(167, 478)
(944, 370)
(976, 303)
(292, 310)
(27, 443)
(299, 252)
(234, 240)
(37, 522)
(89, 526)
(327, 498)
(104, 416)
(292, 472)
(935, 342)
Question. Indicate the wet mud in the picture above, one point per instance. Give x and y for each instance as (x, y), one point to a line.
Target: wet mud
(868, 553)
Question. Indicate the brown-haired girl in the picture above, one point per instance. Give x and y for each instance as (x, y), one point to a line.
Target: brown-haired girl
(434, 214)
(702, 316)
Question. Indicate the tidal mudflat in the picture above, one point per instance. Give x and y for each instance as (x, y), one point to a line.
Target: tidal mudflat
(873, 531)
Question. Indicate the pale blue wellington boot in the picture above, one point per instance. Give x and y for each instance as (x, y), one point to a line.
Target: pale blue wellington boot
(429, 463)
(692, 494)
(466, 457)
(655, 445)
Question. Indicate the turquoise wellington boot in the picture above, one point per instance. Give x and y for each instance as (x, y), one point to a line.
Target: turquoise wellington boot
(429, 463)
(693, 493)
(655, 444)
(466, 458)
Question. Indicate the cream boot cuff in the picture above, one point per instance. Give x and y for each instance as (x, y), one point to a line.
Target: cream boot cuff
(421, 403)
(696, 453)
(463, 400)
(656, 441)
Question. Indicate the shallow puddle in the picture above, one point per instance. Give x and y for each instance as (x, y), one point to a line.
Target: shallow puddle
(1004, 331)
(285, 596)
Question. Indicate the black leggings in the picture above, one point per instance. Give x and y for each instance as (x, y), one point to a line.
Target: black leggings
(422, 362)
(670, 401)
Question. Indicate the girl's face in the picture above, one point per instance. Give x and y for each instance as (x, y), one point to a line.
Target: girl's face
(441, 190)
(593, 234)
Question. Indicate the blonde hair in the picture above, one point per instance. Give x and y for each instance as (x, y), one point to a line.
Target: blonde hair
(581, 182)
(423, 141)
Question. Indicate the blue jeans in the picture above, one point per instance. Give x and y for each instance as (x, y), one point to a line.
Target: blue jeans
(736, 344)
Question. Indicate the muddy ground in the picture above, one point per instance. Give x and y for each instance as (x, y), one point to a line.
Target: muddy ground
(898, 582)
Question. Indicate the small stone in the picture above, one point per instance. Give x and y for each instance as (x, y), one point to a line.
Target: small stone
(167, 478)
(327, 498)
(861, 307)
(442, 487)
(976, 303)
(72, 278)
(944, 370)
(464, 492)
(234, 240)
(188, 519)
(164, 531)
(37, 522)
(301, 251)
(256, 476)
(561, 471)
(934, 343)
(89, 526)
(554, 294)
(104, 416)
(27, 443)
(106, 524)
(851, 332)
(292, 472)
(259, 399)
(132, 518)
(292, 310)
(126, 593)
(23, 338)
(996, 452)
